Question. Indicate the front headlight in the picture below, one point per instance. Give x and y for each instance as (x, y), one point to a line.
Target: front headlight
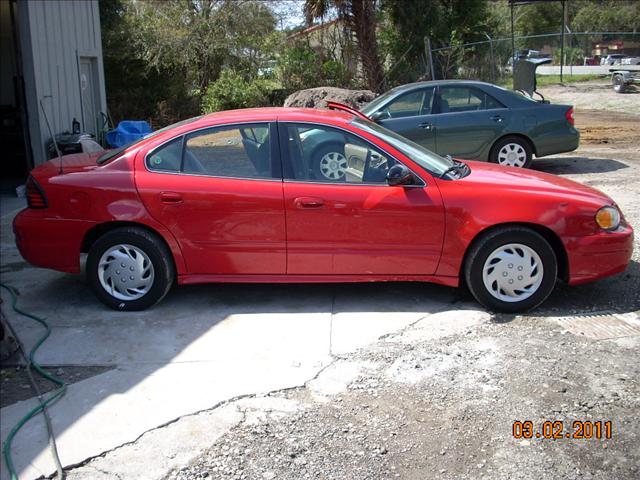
(608, 218)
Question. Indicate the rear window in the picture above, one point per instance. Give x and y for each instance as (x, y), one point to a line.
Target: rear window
(516, 95)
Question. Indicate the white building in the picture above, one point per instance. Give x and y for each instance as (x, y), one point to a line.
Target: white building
(51, 60)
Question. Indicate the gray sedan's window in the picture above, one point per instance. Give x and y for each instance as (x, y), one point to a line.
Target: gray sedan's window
(465, 99)
(407, 105)
(411, 104)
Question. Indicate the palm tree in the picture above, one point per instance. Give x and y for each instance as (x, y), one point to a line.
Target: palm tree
(360, 17)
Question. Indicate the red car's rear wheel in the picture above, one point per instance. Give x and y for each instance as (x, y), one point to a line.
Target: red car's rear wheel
(130, 269)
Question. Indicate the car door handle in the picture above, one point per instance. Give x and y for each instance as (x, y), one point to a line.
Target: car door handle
(426, 125)
(496, 118)
(170, 198)
(308, 202)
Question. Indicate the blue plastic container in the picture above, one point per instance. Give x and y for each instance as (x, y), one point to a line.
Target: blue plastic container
(127, 131)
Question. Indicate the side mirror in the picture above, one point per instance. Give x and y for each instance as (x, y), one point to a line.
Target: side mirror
(379, 115)
(399, 175)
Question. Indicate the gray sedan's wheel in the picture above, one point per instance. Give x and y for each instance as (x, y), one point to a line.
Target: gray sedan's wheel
(511, 151)
(329, 163)
(130, 268)
(511, 269)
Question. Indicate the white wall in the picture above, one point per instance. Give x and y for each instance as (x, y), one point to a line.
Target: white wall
(53, 34)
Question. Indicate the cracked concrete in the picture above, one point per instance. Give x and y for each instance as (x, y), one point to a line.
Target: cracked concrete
(170, 447)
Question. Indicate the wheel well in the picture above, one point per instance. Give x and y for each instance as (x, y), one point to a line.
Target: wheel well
(548, 234)
(97, 231)
(519, 135)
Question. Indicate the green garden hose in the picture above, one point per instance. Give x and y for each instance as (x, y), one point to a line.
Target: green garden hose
(44, 403)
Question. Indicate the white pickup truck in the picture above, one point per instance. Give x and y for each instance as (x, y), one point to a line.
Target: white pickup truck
(625, 76)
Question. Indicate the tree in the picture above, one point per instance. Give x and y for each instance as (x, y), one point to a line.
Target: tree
(201, 37)
(607, 16)
(134, 89)
(360, 17)
(445, 22)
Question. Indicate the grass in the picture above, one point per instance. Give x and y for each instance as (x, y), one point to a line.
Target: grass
(543, 80)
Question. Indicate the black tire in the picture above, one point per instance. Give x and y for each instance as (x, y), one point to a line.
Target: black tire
(486, 244)
(618, 84)
(157, 252)
(318, 154)
(522, 143)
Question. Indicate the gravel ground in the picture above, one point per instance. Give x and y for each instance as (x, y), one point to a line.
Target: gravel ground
(424, 407)
(439, 399)
(597, 94)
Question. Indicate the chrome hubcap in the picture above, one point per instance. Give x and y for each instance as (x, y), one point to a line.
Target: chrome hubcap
(333, 165)
(512, 155)
(512, 272)
(125, 272)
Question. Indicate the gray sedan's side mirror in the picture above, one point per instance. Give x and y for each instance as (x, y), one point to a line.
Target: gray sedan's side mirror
(379, 115)
(399, 175)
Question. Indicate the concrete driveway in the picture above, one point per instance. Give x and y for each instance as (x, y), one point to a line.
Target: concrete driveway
(201, 347)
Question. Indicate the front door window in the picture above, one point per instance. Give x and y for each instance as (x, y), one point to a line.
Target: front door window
(318, 153)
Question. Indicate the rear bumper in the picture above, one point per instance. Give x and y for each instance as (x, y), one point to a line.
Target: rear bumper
(49, 242)
(598, 256)
(565, 140)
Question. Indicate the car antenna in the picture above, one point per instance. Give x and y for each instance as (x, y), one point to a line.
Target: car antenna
(53, 138)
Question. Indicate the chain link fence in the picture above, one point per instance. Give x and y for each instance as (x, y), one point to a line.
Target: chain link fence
(491, 59)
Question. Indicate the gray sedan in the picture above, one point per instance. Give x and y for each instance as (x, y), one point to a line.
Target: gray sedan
(476, 121)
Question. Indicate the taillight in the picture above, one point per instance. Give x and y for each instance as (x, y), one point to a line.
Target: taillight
(35, 195)
(569, 116)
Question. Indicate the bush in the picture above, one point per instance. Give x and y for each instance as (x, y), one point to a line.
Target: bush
(231, 90)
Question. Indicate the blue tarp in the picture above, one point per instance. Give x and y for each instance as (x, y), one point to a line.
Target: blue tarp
(128, 131)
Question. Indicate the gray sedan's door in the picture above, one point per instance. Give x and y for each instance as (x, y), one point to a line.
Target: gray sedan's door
(468, 122)
(410, 116)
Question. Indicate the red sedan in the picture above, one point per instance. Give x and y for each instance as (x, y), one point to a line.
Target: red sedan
(299, 195)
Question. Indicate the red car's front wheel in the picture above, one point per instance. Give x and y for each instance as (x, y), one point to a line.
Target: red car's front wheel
(511, 269)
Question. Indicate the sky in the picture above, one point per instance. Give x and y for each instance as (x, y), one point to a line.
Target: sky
(288, 12)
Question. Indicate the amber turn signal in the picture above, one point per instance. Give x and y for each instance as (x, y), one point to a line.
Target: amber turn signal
(608, 218)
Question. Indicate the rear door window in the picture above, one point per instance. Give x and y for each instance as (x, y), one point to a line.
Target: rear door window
(237, 151)
(168, 157)
(466, 99)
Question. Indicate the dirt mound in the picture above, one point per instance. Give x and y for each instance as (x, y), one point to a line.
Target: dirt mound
(318, 97)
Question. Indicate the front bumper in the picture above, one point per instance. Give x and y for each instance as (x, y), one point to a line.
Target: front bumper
(601, 255)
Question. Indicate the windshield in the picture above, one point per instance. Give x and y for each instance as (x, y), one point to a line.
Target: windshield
(433, 163)
(111, 154)
(373, 105)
